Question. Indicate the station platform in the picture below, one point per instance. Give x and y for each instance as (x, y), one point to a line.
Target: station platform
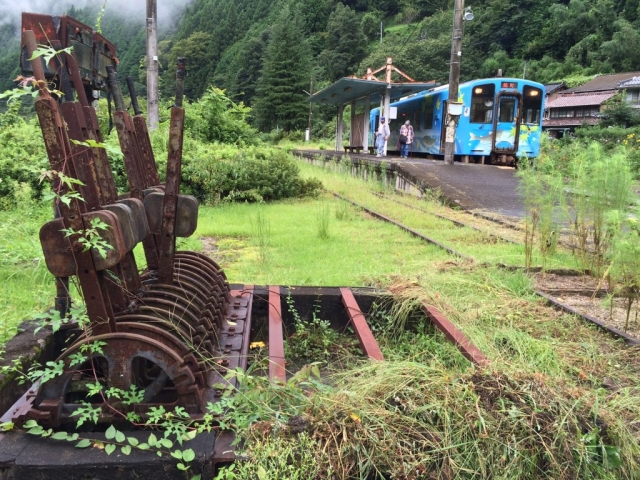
(487, 189)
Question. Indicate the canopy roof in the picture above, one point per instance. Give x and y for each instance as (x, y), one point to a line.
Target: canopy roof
(347, 89)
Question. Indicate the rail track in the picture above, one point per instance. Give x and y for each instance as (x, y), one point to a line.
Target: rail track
(551, 300)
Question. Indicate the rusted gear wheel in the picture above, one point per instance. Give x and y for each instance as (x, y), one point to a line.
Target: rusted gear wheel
(121, 359)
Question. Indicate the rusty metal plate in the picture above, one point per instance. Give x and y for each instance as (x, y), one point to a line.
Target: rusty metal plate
(186, 215)
(125, 217)
(57, 249)
(140, 224)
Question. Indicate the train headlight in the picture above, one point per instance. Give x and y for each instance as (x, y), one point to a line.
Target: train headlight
(477, 90)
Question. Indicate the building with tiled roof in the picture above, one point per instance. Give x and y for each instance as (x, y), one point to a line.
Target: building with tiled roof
(583, 105)
(632, 87)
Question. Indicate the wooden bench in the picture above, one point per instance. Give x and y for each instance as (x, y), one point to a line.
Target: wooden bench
(358, 149)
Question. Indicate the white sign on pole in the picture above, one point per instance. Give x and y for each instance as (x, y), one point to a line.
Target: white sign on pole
(393, 113)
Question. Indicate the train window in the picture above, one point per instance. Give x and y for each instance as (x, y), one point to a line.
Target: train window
(507, 110)
(531, 103)
(416, 120)
(428, 117)
(482, 100)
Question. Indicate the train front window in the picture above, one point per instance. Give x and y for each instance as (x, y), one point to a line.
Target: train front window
(482, 100)
(531, 105)
(507, 110)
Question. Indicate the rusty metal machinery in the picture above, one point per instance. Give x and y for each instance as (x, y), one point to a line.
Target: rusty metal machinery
(170, 330)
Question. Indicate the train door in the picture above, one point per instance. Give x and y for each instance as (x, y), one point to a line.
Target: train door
(506, 124)
(443, 127)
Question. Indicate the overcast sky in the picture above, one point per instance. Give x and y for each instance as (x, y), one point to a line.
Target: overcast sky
(11, 10)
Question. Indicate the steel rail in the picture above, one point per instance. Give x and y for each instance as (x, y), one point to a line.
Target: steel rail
(548, 298)
(406, 229)
(443, 217)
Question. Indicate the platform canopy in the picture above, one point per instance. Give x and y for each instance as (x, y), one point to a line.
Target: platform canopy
(348, 89)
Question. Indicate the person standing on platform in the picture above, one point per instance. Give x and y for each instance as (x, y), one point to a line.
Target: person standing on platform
(382, 136)
(406, 139)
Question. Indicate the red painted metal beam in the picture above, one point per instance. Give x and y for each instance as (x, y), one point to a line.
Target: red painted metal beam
(277, 371)
(363, 332)
(455, 336)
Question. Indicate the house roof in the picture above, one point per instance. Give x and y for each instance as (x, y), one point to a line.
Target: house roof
(580, 100)
(633, 82)
(568, 122)
(604, 82)
(552, 87)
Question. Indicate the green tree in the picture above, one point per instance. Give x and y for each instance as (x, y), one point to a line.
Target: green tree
(370, 25)
(345, 43)
(281, 99)
(617, 112)
(194, 49)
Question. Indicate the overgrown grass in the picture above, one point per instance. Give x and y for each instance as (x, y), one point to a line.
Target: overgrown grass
(483, 248)
(539, 410)
(26, 286)
(356, 250)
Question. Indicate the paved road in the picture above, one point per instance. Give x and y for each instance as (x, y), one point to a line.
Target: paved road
(482, 188)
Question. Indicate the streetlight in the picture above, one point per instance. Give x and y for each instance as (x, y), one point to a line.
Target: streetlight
(454, 109)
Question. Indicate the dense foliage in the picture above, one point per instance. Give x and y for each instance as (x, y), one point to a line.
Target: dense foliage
(232, 45)
(251, 174)
(22, 155)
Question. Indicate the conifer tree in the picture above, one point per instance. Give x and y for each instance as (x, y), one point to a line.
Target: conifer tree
(345, 45)
(280, 101)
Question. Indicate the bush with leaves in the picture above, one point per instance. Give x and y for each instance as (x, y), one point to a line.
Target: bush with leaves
(22, 156)
(216, 118)
(252, 174)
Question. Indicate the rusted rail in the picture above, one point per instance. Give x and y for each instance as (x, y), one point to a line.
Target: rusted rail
(405, 228)
(277, 372)
(452, 220)
(359, 323)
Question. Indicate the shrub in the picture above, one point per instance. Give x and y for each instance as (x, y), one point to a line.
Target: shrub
(22, 155)
(215, 118)
(252, 175)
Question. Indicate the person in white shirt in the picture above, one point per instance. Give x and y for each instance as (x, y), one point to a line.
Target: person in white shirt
(406, 139)
(382, 136)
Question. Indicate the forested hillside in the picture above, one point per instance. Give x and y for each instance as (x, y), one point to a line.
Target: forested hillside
(266, 53)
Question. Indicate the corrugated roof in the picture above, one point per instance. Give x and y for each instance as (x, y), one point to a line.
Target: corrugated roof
(347, 89)
(552, 87)
(566, 100)
(634, 82)
(568, 122)
(604, 82)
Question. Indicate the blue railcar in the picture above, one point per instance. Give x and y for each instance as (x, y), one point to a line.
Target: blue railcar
(501, 120)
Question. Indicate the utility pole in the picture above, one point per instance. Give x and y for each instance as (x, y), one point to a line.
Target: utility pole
(310, 109)
(380, 33)
(152, 65)
(453, 114)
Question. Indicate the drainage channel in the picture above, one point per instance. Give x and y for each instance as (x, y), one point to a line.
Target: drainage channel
(548, 298)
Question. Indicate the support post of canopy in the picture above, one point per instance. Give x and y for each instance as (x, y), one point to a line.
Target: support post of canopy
(365, 136)
(339, 128)
(352, 123)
